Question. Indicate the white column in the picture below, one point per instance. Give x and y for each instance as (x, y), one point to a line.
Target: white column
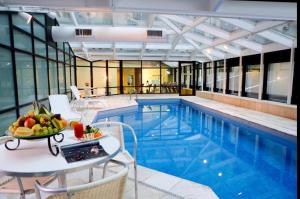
(202, 74)
(240, 77)
(261, 76)
(291, 77)
(224, 77)
(213, 76)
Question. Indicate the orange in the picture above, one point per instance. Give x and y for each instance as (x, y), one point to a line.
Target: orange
(73, 123)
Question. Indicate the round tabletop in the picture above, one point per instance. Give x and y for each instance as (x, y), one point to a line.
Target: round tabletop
(33, 158)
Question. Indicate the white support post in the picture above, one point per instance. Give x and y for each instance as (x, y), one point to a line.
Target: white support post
(240, 77)
(224, 77)
(202, 82)
(261, 76)
(213, 76)
(291, 77)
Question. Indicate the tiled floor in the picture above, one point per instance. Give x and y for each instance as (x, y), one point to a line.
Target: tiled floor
(154, 184)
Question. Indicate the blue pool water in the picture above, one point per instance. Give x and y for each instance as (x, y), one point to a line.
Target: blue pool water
(234, 158)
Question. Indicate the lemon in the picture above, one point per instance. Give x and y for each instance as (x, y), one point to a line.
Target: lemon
(23, 132)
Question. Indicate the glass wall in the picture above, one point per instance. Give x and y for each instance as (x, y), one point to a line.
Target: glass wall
(132, 76)
(277, 81)
(233, 75)
(99, 75)
(219, 80)
(36, 72)
(151, 76)
(208, 74)
(199, 77)
(83, 70)
(114, 77)
(252, 80)
(169, 77)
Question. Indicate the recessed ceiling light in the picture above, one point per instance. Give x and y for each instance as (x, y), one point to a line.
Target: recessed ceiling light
(208, 50)
(27, 17)
(225, 46)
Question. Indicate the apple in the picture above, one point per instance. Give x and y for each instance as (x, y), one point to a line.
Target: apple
(29, 122)
(21, 121)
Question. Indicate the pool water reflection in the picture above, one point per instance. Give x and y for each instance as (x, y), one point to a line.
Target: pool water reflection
(236, 160)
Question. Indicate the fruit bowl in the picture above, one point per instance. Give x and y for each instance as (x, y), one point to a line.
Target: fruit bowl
(37, 124)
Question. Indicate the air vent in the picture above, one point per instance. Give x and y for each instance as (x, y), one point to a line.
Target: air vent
(154, 33)
(83, 32)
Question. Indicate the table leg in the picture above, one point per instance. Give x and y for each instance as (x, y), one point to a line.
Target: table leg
(22, 194)
(62, 182)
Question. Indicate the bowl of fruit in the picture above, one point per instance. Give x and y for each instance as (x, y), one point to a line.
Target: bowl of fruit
(37, 124)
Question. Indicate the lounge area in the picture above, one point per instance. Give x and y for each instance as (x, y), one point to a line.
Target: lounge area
(148, 99)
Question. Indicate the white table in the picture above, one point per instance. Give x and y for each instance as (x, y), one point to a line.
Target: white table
(33, 158)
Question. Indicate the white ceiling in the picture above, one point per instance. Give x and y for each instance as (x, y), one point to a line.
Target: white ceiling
(199, 31)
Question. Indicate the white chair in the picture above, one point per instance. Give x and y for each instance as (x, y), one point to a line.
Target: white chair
(111, 187)
(88, 102)
(116, 129)
(21, 186)
(60, 105)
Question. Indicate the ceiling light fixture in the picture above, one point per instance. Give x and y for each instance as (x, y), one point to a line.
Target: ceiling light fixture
(52, 15)
(225, 46)
(27, 17)
(208, 50)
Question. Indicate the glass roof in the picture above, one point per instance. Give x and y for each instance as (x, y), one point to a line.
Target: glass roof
(192, 41)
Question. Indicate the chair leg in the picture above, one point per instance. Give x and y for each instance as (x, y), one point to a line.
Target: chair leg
(22, 194)
(135, 181)
(91, 175)
(104, 169)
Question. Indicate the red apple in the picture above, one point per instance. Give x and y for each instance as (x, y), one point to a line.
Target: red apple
(29, 122)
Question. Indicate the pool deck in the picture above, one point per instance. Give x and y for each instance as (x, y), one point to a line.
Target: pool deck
(171, 184)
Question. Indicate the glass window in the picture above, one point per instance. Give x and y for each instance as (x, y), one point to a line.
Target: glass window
(114, 81)
(60, 55)
(40, 18)
(169, 77)
(81, 62)
(100, 63)
(53, 77)
(219, 76)
(151, 76)
(25, 109)
(39, 31)
(208, 77)
(83, 77)
(52, 52)
(72, 75)
(67, 47)
(60, 45)
(22, 41)
(61, 78)
(21, 23)
(67, 58)
(4, 30)
(39, 48)
(277, 82)
(252, 80)
(99, 77)
(234, 75)
(68, 80)
(132, 76)
(41, 78)
(25, 78)
(6, 119)
(7, 97)
(199, 77)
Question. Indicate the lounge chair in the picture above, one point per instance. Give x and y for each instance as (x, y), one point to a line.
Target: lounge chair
(116, 129)
(88, 102)
(111, 187)
(60, 105)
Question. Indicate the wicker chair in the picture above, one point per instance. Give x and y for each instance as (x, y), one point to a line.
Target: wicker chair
(111, 187)
(17, 185)
(116, 129)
